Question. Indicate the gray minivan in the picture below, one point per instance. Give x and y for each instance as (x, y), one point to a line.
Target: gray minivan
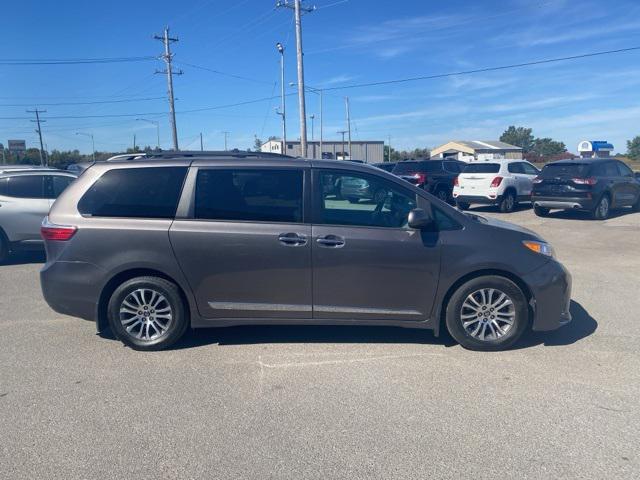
(154, 246)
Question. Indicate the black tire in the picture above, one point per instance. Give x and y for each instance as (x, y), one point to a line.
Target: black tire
(602, 209)
(353, 200)
(176, 327)
(510, 335)
(463, 205)
(442, 194)
(4, 247)
(508, 202)
(540, 211)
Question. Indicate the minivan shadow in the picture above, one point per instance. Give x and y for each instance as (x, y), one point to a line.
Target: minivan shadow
(24, 258)
(581, 326)
(582, 215)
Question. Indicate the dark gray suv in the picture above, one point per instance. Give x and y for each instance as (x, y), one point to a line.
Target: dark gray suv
(154, 246)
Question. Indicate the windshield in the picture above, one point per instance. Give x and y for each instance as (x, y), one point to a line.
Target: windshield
(565, 170)
(482, 168)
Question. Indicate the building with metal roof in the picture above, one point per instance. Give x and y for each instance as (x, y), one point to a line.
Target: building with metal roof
(476, 150)
(368, 151)
(595, 149)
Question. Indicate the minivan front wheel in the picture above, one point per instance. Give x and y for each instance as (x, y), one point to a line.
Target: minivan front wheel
(487, 313)
(147, 313)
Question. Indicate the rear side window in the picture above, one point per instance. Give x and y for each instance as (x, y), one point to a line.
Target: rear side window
(453, 167)
(624, 170)
(57, 185)
(578, 170)
(26, 186)
(515, 168)
(265, 195)
(135, 193)
(482, 168)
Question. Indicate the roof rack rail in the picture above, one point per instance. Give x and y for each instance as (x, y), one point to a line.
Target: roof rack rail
(214, 153)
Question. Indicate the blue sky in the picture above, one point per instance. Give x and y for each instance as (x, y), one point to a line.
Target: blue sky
(345, 42)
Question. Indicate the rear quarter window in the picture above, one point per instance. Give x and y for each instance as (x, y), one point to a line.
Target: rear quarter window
(404, 168)
(135, 193)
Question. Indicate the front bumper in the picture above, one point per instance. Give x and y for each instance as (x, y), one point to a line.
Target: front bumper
(563, 203)
(550, 287)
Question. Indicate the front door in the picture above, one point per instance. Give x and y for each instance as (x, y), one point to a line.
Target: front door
(24, 206)
(367, 263)
(246, 249)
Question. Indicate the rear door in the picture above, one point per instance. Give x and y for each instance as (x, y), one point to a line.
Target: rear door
(530, 172)
(245, 242)
(24, 206)
(367, 263)
(476, 178)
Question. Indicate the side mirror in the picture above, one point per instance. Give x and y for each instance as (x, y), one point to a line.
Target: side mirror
(419, 219)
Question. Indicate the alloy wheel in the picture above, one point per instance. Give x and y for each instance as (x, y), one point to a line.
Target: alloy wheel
(488, 314)
(146, 314)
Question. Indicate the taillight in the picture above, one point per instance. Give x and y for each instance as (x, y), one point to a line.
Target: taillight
(455, 182)
(60, 233)
(537, 180)
(585, 181)
(420, 177)
(496, 182)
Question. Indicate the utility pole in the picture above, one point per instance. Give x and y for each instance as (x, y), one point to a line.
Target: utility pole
(298, 9)
(39, 131)
(342, 132)
(283, 106)
(134, 143)
(225, 140)
(312, 117)
(389, 144)
(346, 100)
(201, 144)
(167, 57)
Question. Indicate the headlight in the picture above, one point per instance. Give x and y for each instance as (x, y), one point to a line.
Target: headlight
(542, 248)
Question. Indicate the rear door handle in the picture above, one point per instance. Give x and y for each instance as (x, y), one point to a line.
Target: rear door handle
(292, 239)
(331, 241)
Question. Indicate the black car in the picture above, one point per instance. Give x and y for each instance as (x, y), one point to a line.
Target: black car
(435, 176)
(596, 185)
(386, 166)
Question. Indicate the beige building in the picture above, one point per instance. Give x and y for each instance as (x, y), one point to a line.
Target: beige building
(476, 150)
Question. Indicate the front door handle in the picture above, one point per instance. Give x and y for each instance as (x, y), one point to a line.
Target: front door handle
(331, 241)
(292, 239)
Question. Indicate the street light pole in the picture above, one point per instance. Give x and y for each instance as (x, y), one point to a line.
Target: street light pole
(283, 111)
(225, 140)
(348, 122)
(157, 124)
(342, 132)
(312, 117)
(93, 144)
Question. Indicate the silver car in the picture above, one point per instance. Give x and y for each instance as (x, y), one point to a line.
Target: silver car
(26, 195)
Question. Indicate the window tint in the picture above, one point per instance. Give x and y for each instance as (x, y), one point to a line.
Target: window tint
(4, 186)
(363, 200)
(403, 168)
(515, 167)
(135, 193)
(26, 186)
(610, 170)
(57, 185)
(263, 195)
(624, 170)
(482, 168)
(578, 170)
(530, 169)
(453, 167)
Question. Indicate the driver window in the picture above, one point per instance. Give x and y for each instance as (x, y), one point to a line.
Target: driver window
(363, 200)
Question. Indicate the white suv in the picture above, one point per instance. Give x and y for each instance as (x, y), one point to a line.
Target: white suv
(495, 182)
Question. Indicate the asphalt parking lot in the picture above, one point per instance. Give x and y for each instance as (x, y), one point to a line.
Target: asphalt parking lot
(333, 402)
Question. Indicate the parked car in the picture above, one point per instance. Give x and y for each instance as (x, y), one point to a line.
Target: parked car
(26, 194)
(595, 185)
(386, 166)
(497, 182)
(152, 247)
(434, 176)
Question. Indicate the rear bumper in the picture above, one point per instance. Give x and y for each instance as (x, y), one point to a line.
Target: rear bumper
(563, 203)
(70, 287)
(477, 199)
(551, 296)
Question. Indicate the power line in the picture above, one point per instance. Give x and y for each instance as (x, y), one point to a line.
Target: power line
(72, 61)
(218, 72)
(482, 70)
(129, 100)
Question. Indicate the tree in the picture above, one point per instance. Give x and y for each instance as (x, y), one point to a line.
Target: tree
(633, 148)
(546, 147)
(257, 144)
(519, 136)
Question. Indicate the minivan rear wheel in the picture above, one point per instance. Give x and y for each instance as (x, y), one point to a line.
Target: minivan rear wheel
(4, 247)
(147, 313)
(487, 313)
